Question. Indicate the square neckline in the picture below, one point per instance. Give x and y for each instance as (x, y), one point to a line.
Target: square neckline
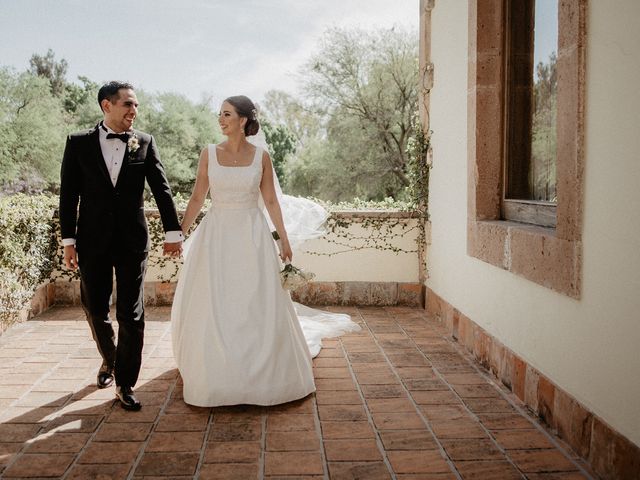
(253, 160)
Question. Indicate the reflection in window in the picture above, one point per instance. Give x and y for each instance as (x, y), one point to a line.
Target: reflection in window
(531, 101)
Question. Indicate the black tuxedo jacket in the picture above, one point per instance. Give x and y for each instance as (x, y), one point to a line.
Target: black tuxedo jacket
(111, 217)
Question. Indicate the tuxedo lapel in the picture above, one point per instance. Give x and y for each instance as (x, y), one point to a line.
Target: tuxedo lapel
(96, 154)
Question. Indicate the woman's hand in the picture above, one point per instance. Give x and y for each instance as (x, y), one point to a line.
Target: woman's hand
(285, 250)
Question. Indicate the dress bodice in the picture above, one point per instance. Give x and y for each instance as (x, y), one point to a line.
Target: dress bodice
(234, 187)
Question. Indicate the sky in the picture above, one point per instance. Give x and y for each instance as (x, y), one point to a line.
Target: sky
(204, 49)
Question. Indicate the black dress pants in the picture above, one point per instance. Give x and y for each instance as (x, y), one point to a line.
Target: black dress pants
(96, 287)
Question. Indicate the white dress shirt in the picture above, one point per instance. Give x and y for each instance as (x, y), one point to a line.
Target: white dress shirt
(113, 150)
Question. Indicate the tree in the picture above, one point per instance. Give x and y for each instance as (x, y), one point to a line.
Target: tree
(32, 132)
(373, 78)
(46, 66)
(182, 129)
(282, 143)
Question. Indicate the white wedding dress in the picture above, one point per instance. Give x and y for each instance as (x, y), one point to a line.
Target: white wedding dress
(237, 338)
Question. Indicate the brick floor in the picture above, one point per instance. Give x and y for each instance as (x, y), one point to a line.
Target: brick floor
(397, 400)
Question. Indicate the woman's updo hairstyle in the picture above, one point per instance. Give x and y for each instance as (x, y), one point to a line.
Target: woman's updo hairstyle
(245, 108)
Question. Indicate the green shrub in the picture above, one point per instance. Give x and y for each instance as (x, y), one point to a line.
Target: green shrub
(27, 249)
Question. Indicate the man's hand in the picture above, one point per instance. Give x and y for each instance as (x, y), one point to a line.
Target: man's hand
(172, 249)
(70, 257)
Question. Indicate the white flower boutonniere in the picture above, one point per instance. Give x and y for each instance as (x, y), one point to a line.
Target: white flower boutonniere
(133, 146)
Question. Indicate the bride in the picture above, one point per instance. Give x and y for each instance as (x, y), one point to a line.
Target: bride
(237, 337)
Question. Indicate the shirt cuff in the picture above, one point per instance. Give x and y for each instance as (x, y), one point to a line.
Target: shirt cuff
(173, 237)
(68, 241)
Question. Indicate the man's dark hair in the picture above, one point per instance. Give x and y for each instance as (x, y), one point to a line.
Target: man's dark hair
(110, 91)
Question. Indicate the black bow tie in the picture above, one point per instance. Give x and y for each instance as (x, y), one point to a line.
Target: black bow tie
(122, 136)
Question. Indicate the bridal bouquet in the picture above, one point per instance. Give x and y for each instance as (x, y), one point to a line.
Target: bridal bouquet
(292, 277)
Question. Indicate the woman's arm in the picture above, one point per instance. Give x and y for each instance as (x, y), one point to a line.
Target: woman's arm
(270, 198)
(199, 193)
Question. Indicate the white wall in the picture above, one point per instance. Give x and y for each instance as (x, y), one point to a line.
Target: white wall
(589, 347)
(367, 265)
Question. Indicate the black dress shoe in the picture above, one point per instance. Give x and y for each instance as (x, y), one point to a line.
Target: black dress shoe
(127, 398)
(105, 377)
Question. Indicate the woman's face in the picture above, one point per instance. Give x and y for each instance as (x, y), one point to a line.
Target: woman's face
(229, 120)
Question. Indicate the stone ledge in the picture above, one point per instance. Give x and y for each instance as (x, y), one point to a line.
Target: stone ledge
(42, 299)
(314, 293)
(610, 454)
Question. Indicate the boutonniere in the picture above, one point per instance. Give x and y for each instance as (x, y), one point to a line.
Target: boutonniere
(133, 145)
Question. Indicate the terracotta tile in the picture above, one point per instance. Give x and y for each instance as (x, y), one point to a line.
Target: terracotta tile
(418, 461)
(546, 393)
(573, 422)
(304, 405)
(505, 421)
(331, 372)
(435, 397)
(489, 405)
(292, 463)
(477, 391)
(113, 472)
(284, 422)
(339, 430)
(557, 476)
(445, 412)
(382, 391)
(396, 405)
(398, 421)
(358, 471)
(123, 432)
(330, 362)
(168, 464)
(338, 397)
(342, 413)
(465, 379)
(39, 465)
(425, 384)
(15, 432)
(146, 415)
(59, 443)
(331, 353)
(416, 373)
(175, 442)
(228, 471)
(472, 449)
(457, 429)
(232, 452)
(182, 422)
(491, 470)
(408, 360)
(373, 378)
(352, 450)
(178, 406)
(611, 454)
(356, 357)
(112, 452)
(535, 461)
(408, 440)
(292, 441)
(8, 452)
(335, 384)
(522, 439)
(74, 424)
(234, 432)
(519, 376)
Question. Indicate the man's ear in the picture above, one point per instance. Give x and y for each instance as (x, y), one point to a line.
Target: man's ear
(106, 105)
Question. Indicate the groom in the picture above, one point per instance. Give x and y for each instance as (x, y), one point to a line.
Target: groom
(104, 171)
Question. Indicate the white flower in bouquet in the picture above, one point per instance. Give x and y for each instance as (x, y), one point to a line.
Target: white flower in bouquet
(292, 277)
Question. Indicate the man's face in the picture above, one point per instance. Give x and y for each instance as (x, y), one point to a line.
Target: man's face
(120, 114)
